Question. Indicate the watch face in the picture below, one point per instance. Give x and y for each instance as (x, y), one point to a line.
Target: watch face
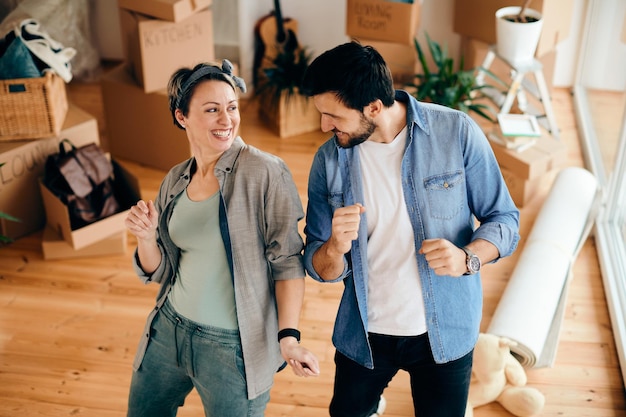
(473, 264)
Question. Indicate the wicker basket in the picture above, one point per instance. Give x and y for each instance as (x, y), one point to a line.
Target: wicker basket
(32, 108)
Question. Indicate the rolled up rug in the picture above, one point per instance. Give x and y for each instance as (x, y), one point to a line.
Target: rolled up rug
(530, 311)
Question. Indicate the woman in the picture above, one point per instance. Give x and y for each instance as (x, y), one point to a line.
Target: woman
(221, 239)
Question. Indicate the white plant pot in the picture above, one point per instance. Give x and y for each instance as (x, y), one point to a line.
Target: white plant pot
(515, 41)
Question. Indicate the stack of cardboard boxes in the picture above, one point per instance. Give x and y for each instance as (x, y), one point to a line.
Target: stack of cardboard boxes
(22, 196)
(524, 171)
(475, 22)
(159, 37)
(36, 116)
(390, 27)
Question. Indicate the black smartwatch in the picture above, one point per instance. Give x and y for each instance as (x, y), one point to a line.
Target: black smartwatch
(472, 262)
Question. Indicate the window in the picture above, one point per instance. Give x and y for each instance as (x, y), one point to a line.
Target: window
(600, 102)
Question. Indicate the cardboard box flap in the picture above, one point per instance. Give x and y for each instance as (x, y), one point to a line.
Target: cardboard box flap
(53, 246)
(172, 10)
(126, 186)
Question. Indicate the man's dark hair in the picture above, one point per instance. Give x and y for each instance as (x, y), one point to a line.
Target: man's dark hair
(357, 74)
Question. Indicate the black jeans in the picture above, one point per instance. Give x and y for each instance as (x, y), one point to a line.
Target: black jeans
(438, 389)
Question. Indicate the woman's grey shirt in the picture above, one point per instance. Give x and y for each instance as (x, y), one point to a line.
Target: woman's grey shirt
(259, 219)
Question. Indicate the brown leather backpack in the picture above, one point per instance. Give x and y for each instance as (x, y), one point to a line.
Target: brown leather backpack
(82, 178)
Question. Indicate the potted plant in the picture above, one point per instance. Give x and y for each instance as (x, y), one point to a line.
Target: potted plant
(284, 75)
(279, 66)
(452, 87)
(517, 33)
(282, 106)
(5, 216)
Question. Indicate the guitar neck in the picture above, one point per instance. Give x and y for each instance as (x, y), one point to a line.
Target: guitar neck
(280, 24)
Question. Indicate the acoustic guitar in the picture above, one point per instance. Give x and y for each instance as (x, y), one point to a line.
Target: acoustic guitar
(273, 35)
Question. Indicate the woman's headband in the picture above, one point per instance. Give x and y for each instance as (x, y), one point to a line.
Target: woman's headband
(227, 70)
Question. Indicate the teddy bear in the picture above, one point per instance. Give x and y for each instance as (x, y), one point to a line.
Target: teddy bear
(498, 376)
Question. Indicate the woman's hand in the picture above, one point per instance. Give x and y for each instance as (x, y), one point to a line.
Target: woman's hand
(302, 361)
(142, 220)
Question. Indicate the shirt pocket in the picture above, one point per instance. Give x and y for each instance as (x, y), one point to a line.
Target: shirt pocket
(445, 194)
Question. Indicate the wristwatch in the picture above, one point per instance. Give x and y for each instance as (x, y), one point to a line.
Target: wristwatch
(472, 261)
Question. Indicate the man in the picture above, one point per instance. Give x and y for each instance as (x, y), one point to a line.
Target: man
(393, 201)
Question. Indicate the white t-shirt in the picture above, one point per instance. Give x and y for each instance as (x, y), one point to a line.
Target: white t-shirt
(395, 305)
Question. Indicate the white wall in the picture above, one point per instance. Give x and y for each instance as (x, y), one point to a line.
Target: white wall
(322, 24)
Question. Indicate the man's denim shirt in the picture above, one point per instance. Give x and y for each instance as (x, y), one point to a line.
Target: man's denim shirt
(450, 178)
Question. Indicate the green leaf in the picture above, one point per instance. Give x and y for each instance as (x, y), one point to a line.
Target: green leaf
(284, 74)
(445, 85)
(9, 217)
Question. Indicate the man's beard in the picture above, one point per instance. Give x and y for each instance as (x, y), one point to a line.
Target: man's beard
(367, 128)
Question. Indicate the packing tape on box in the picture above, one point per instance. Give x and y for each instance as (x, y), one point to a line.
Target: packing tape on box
(531, 309)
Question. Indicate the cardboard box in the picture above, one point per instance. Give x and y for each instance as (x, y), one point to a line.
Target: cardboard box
(382, 20)
(400, 58)
(171, 10)
(545, 155)
(53, 246)
(24, 164)
(521, 190)
(139, 125)
(477, 20)
(290, 116)
(127, 193)
(157, 48)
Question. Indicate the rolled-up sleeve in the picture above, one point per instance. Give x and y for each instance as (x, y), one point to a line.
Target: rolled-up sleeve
(284, 243)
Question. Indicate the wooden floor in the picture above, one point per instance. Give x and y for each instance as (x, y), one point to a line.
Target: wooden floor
(69, 329)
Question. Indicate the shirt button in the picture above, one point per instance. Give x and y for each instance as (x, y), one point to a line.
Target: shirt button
(445, 185)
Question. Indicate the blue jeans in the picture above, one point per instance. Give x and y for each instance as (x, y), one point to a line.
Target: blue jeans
(439, 390)
(183, 355)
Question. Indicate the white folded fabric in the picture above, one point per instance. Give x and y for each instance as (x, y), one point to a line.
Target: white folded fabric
(51, 52)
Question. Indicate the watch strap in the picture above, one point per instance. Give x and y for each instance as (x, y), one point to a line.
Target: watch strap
(469, 255)
(289, 332)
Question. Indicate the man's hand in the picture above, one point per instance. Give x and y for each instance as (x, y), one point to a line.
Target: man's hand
(345, 228)
(444, 257)
(328, 260)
